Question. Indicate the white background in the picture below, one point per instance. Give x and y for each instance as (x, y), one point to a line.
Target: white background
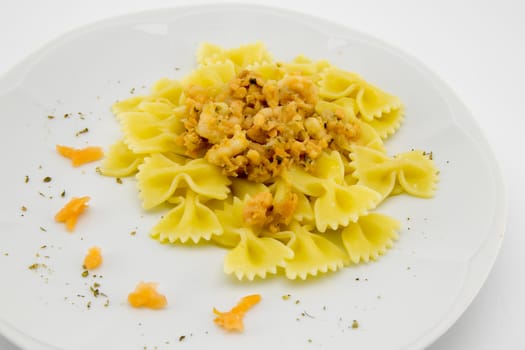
(477, 47)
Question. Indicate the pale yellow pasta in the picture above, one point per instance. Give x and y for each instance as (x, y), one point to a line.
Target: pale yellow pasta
(413, 171)
(146, 133)
(215, 150)
(371, 101)
(120, 161)
(313, 254)
(171, 90)
(190, 219)
(304, 66)
(241, 56)
(256, 256)
(211, 77)
(267, 70)
(369, 237)
(335, 203)
(159, 177)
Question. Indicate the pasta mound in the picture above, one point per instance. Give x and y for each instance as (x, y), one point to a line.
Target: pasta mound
(282, 163)
(256, 128)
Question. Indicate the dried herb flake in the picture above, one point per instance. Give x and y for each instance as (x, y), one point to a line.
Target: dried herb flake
(83, 131)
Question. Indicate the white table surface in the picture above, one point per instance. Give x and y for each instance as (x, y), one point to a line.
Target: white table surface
(477, 47)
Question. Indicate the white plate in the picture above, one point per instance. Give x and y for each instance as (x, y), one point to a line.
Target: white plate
(404, 301)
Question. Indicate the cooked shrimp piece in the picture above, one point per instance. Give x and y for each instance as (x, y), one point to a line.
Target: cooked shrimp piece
(228, 148)
(71, 211)
(80, 156)
(146, 295)
(93, 258)
(233, 320)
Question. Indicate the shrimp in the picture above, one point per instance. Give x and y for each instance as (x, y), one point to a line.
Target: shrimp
(224, 151)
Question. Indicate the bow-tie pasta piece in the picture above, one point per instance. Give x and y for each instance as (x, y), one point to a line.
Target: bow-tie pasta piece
(210, 79)
(256, 256)
(169, 90)
(329, 166)
(344, 108)
(342, 204)
(232, 222)
(120, 161)
(313, 254)
(418, 176)
(242, 188)
(207, 51)
(304, 212)
(306, 67)
(304, 182)
(268, 71)
(369, 137)
(146, 133)
(189, 220)
(166, 92)
(241, 57)
(337, 84)
(373, 169)
(127, 105)
(388, 123)
(159, 177)
(369, 237)
(371, 101)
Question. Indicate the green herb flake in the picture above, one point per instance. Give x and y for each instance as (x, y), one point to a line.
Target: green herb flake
(85, 273)
(355, 324)
(50, 117)
(83, 131)
(47, 179)
(43, 229)
(33, 266)
(118, 180)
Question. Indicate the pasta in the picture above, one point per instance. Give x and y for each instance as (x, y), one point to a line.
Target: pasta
(282, 163)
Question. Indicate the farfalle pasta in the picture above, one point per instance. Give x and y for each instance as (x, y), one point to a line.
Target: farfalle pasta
(282, 163)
